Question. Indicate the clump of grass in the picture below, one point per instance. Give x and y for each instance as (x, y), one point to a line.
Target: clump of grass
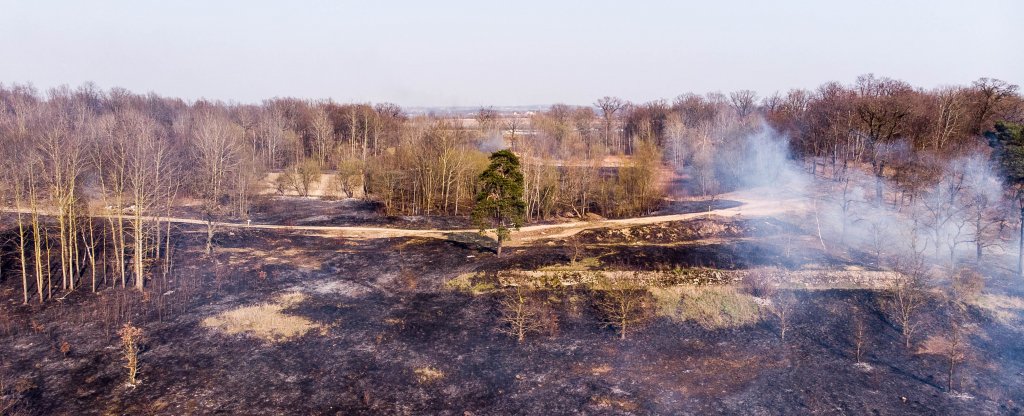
(588, 263)
(711, 307)
(428, 374)
(474, 283)
(265, 321)
(608, 402)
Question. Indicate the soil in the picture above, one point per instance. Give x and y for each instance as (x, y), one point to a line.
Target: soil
(388, 317)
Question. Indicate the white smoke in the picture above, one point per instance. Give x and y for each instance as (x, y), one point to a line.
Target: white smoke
(943, 221)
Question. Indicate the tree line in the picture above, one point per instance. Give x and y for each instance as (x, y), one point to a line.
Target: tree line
(91, 174)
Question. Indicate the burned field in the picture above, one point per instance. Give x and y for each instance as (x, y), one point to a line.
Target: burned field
(287, 322)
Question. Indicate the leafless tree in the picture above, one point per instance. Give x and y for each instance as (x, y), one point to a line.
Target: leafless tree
(322, 132)
(744, 101)
(487, 118)
(623, 301)
(575, 248)
(216, 148)
(136, 172)
(130, 337)
(906, 295)
(62, 145)
(520, 313)
(513, 124)
(859, 330)
(990, 95)
(609, 106)
(763, 282)
(782, 308)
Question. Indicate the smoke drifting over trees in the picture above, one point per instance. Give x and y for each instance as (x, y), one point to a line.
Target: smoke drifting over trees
(103, 190)
(78, 153)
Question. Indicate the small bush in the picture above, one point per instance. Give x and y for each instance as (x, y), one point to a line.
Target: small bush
(473, 283)
(763, 282)
(967, 285)
(130, 337)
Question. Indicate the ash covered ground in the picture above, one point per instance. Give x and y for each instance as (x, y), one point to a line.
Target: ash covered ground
(383, 330)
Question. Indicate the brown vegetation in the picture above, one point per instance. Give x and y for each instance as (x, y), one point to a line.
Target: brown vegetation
(130, 337)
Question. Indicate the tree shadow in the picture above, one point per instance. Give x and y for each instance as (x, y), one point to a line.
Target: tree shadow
(472, 241)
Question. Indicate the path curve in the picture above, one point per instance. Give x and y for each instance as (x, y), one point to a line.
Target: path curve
(752, 204)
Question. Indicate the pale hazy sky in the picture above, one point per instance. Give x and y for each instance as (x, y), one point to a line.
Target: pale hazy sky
(447, 53)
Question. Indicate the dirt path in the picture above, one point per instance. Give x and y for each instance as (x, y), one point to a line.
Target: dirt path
(752, 204)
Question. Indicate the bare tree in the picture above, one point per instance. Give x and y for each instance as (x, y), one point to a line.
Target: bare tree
(130, 337)
(135, 171)
(519, 313)
(575, 247)
(955, 350)
(744, 101)
(989, 96)
(487, 118)
(609, 106)
(906, 295)
(782, 308)
(513, 124)
(216, 148)
(859, 329)
(62, 144)
(623, 301)
(322, 132)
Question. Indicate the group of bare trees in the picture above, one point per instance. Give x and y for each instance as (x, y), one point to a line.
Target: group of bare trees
(890, 125)
(433, 170)
(90, 178)
(90, 173)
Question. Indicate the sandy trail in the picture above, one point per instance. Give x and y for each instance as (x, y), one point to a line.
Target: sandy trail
(752, 204)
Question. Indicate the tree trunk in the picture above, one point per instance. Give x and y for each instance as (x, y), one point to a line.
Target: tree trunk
(21, 255)
(209, 237)
(140, 251)
(1020, 248)
(977, 239)
(952, 364)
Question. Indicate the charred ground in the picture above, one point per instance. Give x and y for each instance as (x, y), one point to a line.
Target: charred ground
(395, 337)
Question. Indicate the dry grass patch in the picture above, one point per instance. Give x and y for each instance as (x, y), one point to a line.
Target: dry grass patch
(428, 374)
(620, 404)
(600, 369)
(711, 307)
(588, 263)
(1006, 309)
(266, 321)
(473, 283)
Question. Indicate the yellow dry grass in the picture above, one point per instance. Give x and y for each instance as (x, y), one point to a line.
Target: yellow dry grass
(428, 374)
(265, 321)
(608, 402)
(1006, 309)
(711, 307)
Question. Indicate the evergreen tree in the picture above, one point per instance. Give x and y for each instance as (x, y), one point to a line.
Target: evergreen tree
(499, 204)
